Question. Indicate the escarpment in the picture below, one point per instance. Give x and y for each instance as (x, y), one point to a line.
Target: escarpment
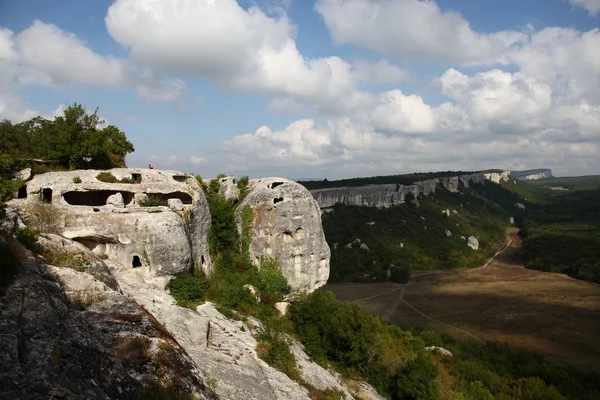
(389, 195)
(154, 220)
(286, 225)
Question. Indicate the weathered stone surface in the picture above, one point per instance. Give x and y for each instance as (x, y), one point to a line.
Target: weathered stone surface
(108, 218)
(441, 350)
(497, 177)
(511, 220)
(282, 307)
(364, 247)
(115, 200)
(388, 195)
(65, 334)
(473, 243)
(520, 206)
(228, 187)
(448, 232)
(23, 175)
(287, 226)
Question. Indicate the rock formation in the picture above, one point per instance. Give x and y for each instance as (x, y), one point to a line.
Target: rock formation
(159, 225)
(287, 226)
(497, 177)
(68, 332)
(473, 242)
(533, 174)
(389, 195)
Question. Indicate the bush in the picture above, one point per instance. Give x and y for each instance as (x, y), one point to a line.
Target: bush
(107, 177)
(399, 274)
(76, 179)
(28, 238)
(153, 201)
(189, 289)
(44, 218)
(271, 279)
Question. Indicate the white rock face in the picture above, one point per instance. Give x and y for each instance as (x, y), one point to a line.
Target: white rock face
(497, 177)
(23, 174)
(448, 233)
(442, 350)
(107, 218)
(287, 226)
(364, 247)
(228, 187)
(282, 307)
(511, 220)
(473, 243)
(520, 206)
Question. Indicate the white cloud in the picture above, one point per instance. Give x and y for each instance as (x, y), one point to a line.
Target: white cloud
(415, 28)
(243, 50)
(592, 6)
(198, 160)
(43, 54)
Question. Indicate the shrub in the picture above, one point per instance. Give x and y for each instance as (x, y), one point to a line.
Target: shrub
(189, 289)
(76, 179)
(399, 274)
(242, 185)
(271, 279)
(274, 349)
(106, 177)
(44, 218)
(153, 201)
(27, 237)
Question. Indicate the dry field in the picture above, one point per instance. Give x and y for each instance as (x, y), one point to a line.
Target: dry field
(550, 313)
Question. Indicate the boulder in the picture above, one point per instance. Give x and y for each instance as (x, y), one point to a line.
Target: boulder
(282, 307)
(448, 233)
(364, 247)
(371, 223)
(520, 206)
(23, 175)
(115, 200)
(175, 204)
(286, 225)
(473, 243)
(441, 350)
(228, 187)
(511, 220)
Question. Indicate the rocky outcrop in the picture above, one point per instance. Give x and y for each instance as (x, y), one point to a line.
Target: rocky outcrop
(287, 226)
(533, 174)
(473, 242)
(158, 222)
(389, 195)
(228, 187)
(66, 334)
(497, 177)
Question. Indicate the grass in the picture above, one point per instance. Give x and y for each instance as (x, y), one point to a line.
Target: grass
(153, 201)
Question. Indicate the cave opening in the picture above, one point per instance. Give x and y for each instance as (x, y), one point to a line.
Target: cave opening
(202, 261)
(95, 197)
(277, 200)
(47, 195)
(136, 263)
(275, 184)
(22, 193)
(164, 197)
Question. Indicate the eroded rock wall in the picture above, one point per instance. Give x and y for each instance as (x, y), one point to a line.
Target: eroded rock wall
(287, 226)
(130, 223)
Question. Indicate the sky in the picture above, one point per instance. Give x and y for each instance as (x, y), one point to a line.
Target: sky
(317, 89)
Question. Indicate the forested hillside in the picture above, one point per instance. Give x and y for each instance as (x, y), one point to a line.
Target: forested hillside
(416, 238)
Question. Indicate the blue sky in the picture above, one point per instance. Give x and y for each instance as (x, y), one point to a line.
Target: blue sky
(332, 88)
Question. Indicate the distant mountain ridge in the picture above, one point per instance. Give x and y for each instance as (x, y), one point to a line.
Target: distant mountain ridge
(533, 174)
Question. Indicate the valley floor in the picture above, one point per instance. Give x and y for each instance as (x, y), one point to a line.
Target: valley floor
(553, 314)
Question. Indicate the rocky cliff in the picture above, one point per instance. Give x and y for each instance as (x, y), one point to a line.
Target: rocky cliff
(533, 174)
(287, 225)
(389, 195)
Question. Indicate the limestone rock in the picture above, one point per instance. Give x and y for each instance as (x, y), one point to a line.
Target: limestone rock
(448, 233)
(287, 226)
(65, 334)
(441, 350)
(520, 206)
(497, 177)
(473, 243)
(23, 175)
(463, 238)
(175, 204)
(364, 247)
(115, 200)
(157, 241)
(371, 223)
(511, 220)
(282, 307)
(228, 187)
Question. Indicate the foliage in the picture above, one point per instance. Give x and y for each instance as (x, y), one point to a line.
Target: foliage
(415, 238)
(247, 216)
(73, 140)
(153, 201)
(273, 348)
(588, 182)
(399, 274)
(28, 238)
(223, 232)
(76, 179)
(242, 185)
(494, 371)
(110, 178)
(189, 289)
(202, 183)
(359, 343)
